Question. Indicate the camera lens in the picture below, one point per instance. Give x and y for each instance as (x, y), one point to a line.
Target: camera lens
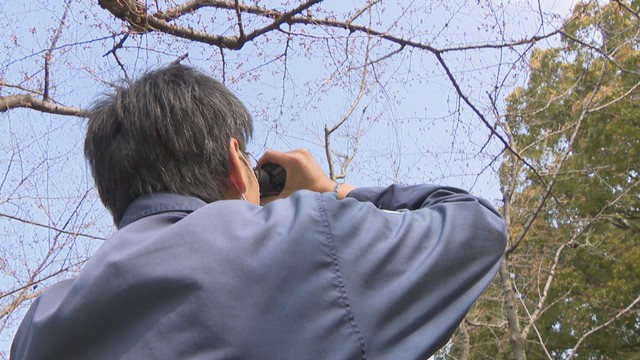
(271, 179)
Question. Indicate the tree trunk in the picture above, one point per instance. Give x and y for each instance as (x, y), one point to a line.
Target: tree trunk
(515, 335)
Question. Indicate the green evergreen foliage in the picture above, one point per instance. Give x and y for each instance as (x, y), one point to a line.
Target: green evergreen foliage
(572, 194)
(590, 86)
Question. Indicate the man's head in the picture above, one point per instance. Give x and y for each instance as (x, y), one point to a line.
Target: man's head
(174, 130)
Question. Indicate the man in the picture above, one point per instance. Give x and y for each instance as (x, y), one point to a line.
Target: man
(198, 269)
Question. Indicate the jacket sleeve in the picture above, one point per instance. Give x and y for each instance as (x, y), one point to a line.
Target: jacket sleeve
(417, 259)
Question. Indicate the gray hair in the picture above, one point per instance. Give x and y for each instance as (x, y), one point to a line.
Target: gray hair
(169, 131)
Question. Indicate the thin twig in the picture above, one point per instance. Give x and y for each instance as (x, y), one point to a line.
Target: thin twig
(556, 259)
(525, 331)
(627, 8)
(35, 282)
(224, 66)
(573, 353)
(328, 131)
(62, 231)
(549, 185)
(48, 56)
(362, 11)
(118, 45)
(481, 116)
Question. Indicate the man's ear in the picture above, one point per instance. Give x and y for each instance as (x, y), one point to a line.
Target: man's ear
(237, 181)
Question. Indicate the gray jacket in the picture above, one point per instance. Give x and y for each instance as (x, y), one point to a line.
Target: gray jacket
(387, 273)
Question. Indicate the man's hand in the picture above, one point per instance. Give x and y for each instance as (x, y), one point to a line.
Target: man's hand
(303, 173)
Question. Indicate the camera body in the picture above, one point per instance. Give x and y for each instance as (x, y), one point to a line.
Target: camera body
(271, 179)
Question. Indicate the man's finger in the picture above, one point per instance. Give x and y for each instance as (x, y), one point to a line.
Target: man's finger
(272, 156)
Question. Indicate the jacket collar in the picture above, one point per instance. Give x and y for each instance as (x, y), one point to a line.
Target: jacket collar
(152, 204)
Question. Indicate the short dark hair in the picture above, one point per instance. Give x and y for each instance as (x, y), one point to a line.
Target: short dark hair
(169, 131)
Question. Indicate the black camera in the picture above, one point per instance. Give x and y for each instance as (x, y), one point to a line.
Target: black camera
(271, 178)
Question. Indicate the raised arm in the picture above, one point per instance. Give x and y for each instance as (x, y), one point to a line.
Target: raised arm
(413, 261)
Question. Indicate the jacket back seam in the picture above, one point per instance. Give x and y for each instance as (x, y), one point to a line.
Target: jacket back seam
(342, 292)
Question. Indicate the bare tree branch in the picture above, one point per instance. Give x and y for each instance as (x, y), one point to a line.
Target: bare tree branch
(223, 66)
(481, 324)
(394, 52)
(24, 296)
(186, 8)
(619, 98)
(574, 351)
(118, 45)
(240, 26)
(599, 51)
(556, 259)
(361, 11)
(328, 131)
(627, 8)
(48, 57)
(515, 329)
(549, 185)
(28, 101)
(32, 282)
(283, 18)
(482, 118)
(416, 44)
(61, 231)
(526, 330)
(113, 50)
(135, 13)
